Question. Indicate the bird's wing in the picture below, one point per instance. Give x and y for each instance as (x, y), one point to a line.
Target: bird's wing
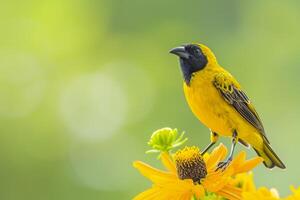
(233, 95)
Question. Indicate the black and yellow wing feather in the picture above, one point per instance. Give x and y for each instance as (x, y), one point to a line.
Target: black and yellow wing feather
(233, 95)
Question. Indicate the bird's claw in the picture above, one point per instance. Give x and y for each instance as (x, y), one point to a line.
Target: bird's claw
(223, 165)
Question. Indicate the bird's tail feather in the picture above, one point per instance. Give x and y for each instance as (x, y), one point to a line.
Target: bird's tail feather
(270, 158)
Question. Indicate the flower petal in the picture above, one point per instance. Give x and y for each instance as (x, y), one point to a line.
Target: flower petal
(168, 162)
(206, 156)
(245, 181)
(147, 195)
(230, 192)
(217, 180)
(199, 191)
(179, 185)
(216, 156)
(295, 195)
(248, 165)
(184, 196)
(155, 175)
(238, 160)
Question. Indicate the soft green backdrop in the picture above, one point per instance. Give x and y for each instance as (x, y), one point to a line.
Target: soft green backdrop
(83, 84)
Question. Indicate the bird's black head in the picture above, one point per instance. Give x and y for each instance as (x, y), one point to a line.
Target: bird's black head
(192, 59)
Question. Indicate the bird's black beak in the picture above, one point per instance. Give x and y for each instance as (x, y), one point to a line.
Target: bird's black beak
(180, 51)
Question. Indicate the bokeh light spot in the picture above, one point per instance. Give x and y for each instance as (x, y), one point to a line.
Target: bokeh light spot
(139, 86)
(22, 83)
(93, 106)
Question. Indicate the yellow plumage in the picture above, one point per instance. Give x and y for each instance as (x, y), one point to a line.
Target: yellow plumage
(212, 110)
(217, 100)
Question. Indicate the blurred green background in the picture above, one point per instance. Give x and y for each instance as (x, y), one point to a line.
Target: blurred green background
(84, 83)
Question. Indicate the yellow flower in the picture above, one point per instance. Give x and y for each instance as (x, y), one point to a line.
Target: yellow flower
(262, 193)
(295, 195)
(246, 183)
(191, 175)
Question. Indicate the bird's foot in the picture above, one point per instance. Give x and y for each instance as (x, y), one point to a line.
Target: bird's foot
(223, 165)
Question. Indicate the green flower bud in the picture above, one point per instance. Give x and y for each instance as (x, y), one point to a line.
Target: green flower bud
(165, 139)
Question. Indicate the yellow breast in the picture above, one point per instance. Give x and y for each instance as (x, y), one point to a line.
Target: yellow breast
(207, 104)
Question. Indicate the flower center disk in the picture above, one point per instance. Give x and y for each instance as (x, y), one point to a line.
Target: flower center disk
(190, 164)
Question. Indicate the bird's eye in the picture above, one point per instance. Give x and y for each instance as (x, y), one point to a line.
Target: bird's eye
(194, 50)
(198, 52)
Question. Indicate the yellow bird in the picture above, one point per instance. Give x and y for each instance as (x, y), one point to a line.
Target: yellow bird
(219, 102)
